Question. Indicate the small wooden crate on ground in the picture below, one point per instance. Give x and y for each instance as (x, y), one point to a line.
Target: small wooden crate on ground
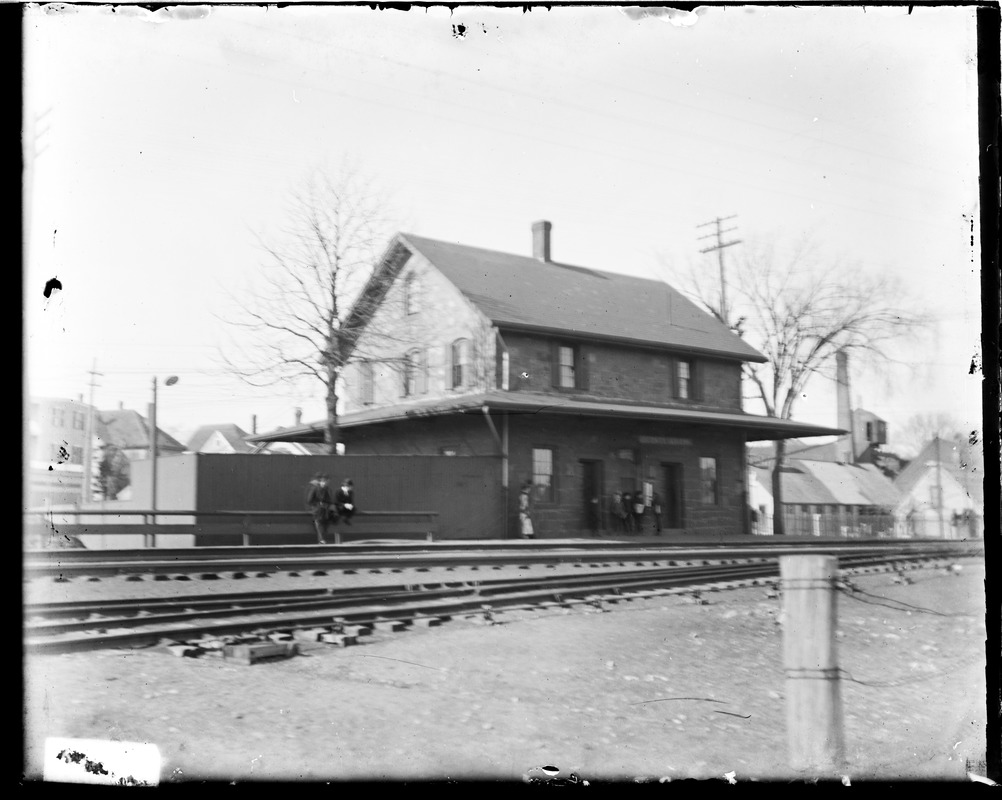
(248, 654)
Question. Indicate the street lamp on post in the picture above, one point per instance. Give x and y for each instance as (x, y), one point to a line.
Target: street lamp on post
(153, 445)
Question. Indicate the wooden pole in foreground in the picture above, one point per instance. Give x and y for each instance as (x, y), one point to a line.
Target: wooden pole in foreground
(813, 698)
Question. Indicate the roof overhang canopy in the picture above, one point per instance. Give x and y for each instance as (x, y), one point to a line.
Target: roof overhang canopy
(755, 427)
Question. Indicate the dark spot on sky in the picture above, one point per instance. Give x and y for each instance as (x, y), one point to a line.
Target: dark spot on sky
(973, 438)
(974, 366)
(459, 31)
(50, 284)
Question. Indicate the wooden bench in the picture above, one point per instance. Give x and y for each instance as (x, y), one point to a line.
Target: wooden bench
(364, 525)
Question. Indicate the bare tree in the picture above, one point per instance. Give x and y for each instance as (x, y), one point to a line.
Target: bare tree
(920, 429)
(292, 324)
(799, 310)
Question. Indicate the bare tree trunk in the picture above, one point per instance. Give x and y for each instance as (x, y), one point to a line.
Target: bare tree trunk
(332, 433)
(778, 526)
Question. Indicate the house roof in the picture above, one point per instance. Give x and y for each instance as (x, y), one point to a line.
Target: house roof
(235, 436)
(756, 427)
(949, 455)
(129, 430)
(520, 292)
(832, 483)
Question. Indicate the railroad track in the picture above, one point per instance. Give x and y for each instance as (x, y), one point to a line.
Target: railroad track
(243, 561)
(62, 627)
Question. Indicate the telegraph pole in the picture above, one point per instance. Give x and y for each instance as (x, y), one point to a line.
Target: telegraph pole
(87, 490)
(719, 247)
(939, 486)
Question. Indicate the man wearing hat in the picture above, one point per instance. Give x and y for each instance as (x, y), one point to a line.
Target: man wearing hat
(320, 502)
(344, 501)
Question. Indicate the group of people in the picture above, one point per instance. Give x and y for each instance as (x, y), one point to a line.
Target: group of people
(628, 511)
(329, 506)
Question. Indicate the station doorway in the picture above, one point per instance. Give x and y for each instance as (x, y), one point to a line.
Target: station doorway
(671, 483)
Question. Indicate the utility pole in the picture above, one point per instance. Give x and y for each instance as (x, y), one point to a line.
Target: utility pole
(87, 490)
(719, 247)
(939, 486)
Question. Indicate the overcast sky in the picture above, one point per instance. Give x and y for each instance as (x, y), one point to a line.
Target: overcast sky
(158, 147)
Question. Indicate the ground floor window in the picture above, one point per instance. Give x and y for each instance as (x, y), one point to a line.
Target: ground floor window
(708, 480)
(542, 473)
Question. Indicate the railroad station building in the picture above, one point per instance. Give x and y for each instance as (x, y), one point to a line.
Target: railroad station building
(583, 382)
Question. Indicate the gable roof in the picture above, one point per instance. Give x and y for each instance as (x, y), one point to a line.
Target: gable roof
(521, 292)
(235, 436)
(129, 430)
(949, 455)
(832, 483)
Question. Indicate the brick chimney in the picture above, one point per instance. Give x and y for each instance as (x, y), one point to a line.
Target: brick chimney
(253, 423)
(541, 240)
(845, 446)
(299, 416)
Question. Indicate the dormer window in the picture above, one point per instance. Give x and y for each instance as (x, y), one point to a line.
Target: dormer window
(412, 290)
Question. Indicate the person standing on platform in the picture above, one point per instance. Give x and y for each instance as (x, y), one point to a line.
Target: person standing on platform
(638, 511)
(525, 526)
(656, 510)
(618, 517)
(627, 512)
(320, 502)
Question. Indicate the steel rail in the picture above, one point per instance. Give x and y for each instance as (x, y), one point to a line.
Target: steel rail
(441, 602)
(375, 545)
(132, 613)
(304, 558)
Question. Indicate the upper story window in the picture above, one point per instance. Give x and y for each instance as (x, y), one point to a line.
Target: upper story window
(569, 368)
(367, 381)
(415, 373)
(565, 366)
(460, 363)
(683, 380)
(58, 418)
(501, 363)
(686, 380)
(412, 291)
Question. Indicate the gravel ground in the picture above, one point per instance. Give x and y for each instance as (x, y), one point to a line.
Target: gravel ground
(651, 689)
